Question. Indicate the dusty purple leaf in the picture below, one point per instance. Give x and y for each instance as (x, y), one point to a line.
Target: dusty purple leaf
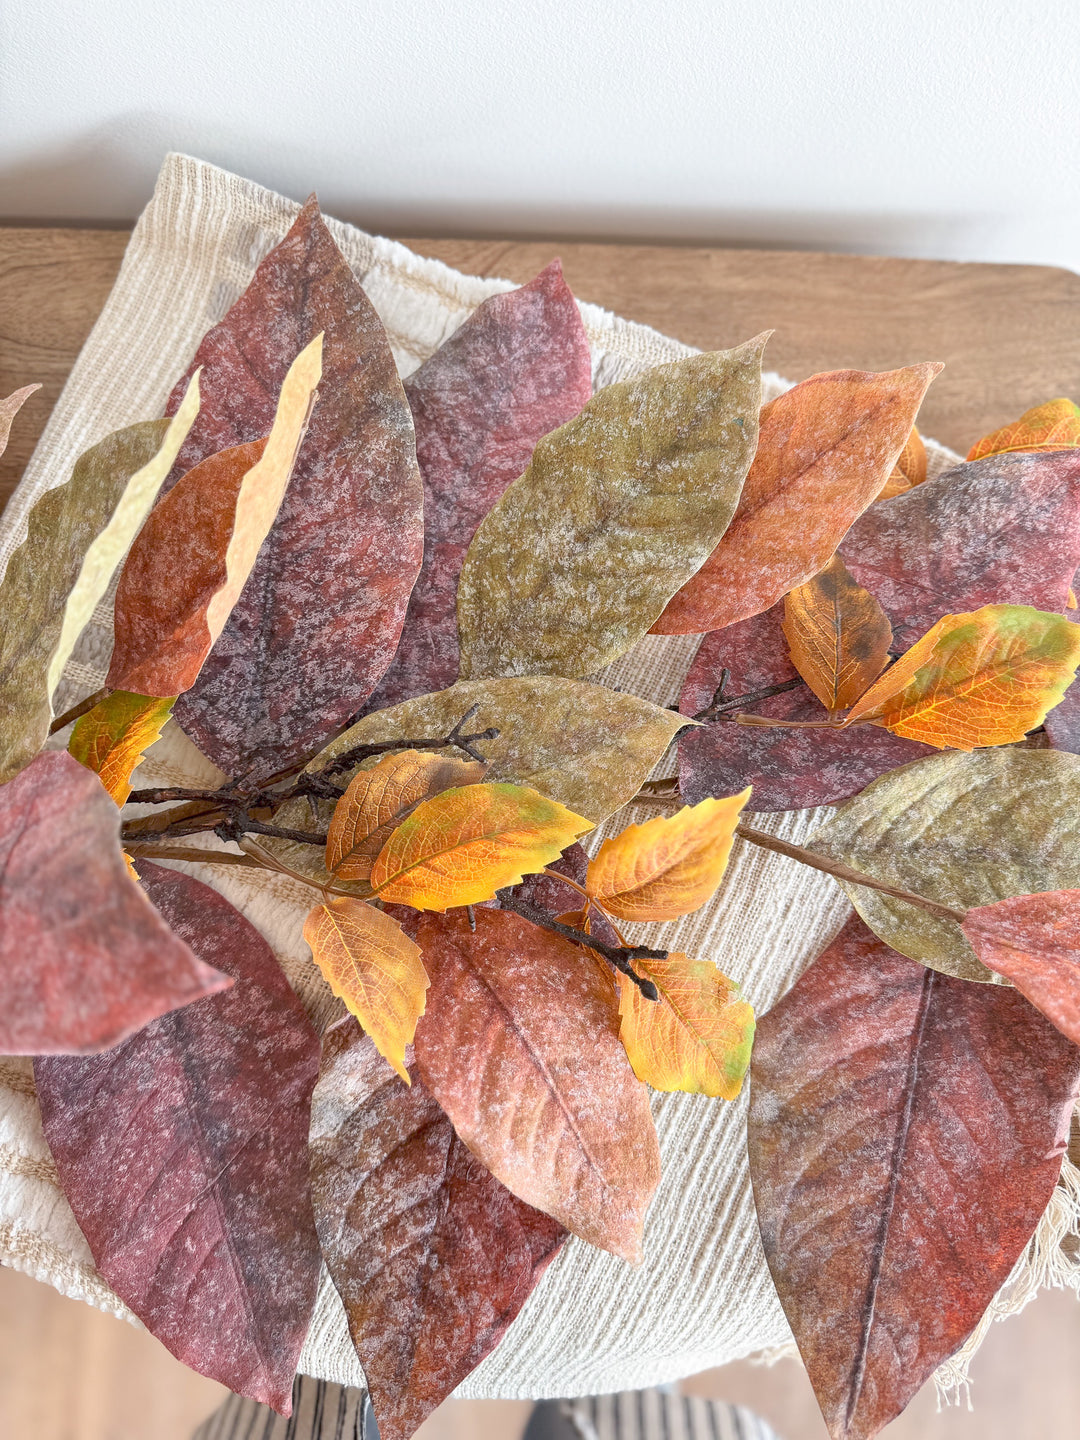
(432, 1257)
(319, 618)
(1062, 725)
(183, 1153)
(516, 369)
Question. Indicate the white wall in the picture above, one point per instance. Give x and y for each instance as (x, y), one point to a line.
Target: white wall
(918, 127)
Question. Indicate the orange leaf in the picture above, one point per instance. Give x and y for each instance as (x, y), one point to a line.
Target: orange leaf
(838, 635)
(696, 1037)
(668, 866)
(186, 569)
(460, 847)
(909, 470)
(1034, 941)
(1053, 426)
(369, 961)
(982, 678)
(824, 452)
(378, 800)
(112, 738)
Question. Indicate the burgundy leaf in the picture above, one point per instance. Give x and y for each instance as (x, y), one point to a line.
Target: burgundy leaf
(1062, 725)
(1034, 941)
(319, 618)
(183, 1153)
(516, 369)
(788, 769)
(906, 1133)
(432, 1257)
(85, 959)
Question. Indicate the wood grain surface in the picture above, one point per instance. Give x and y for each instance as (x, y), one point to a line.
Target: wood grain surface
(1009, 334)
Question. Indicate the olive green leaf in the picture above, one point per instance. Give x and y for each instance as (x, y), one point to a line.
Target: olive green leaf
(963, 829)
(617, 509)
(77, 535)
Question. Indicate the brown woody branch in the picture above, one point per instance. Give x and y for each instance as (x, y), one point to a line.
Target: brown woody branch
(619, 956)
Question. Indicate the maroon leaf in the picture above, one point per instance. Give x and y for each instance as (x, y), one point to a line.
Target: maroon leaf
(1062, 725)
(1034, 941)
(516, 369)
(906, 1133)
(432, 1257)
(183, 1153)
(85, 959)
(788, 769)
(319, 619)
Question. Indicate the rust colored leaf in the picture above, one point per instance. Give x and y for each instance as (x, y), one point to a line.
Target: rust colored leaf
(183, 1153)
(9, 408)
(696, 1037)
(1053, 426)
(185, 572)
(519, 1045)
(897, 1178)
(319, 619)
(1034, 941)
(517, 368)
(838, 635)
(432, 1257)
(378, 800)
(112, 738)
(668, 866)
(984, 678)
(463, 845)
(909, 470)
(825, 450)
(370, 962)
(85, 959)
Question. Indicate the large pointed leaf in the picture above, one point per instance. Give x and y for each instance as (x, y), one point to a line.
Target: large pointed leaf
(1052, 426)
(519, 1045)
(112, 738)
(192, 559)
(517, 368)
(983, 678)
(837, 634)
(616, 511)
(183, 1153)
(76, 537)
(368, 960)
(906, 1133)
(463, 845)
(319, 619)
(85, 959)
(964, 830)
(9, 408)
(826, 449)
(432, 1257)
(1034, 941)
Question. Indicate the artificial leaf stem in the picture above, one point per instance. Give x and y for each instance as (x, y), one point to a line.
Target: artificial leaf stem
(618, 956)
(78, 711)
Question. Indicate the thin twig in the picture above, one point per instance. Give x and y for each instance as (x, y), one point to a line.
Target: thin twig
(719, 707)
(271, 862)
(617, 955)
(188, 852)
(82, 708)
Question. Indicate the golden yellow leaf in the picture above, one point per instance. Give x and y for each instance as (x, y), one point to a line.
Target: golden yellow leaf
(460, 847)
(668, 866)
(838, 635)
(1053, 426)
(909, 470)
(696, 1037)
(378, 800)
(114, 736)
(369, 961)
(986, 677)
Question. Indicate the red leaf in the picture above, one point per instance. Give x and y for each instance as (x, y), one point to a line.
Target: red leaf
(1034, 941)
(906, 1133)
(516, 369)
(183, 1153)
(319, 619)
(432, 1257)
(519, 1044)
(1062, 725)
(85, 959)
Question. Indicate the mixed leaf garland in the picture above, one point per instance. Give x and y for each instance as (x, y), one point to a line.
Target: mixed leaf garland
(375, 607)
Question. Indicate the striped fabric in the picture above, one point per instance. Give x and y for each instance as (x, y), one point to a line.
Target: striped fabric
(321, 1411)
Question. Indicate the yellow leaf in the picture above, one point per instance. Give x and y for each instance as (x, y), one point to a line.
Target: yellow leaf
(985, 677)
(838, 635)
(378, 800)
(114, 736)
(668, 866)
(1053, 426)
(696, 1037)
(909, 470)
(369, 961)
(462, 846)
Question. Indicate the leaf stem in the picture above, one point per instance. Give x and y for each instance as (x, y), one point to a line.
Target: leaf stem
(82, 708)
(718, 707)
(618, 956)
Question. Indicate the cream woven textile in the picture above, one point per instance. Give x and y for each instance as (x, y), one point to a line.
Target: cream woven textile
(594, 1324)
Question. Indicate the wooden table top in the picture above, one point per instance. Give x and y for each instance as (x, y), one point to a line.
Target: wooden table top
(1009, 334)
